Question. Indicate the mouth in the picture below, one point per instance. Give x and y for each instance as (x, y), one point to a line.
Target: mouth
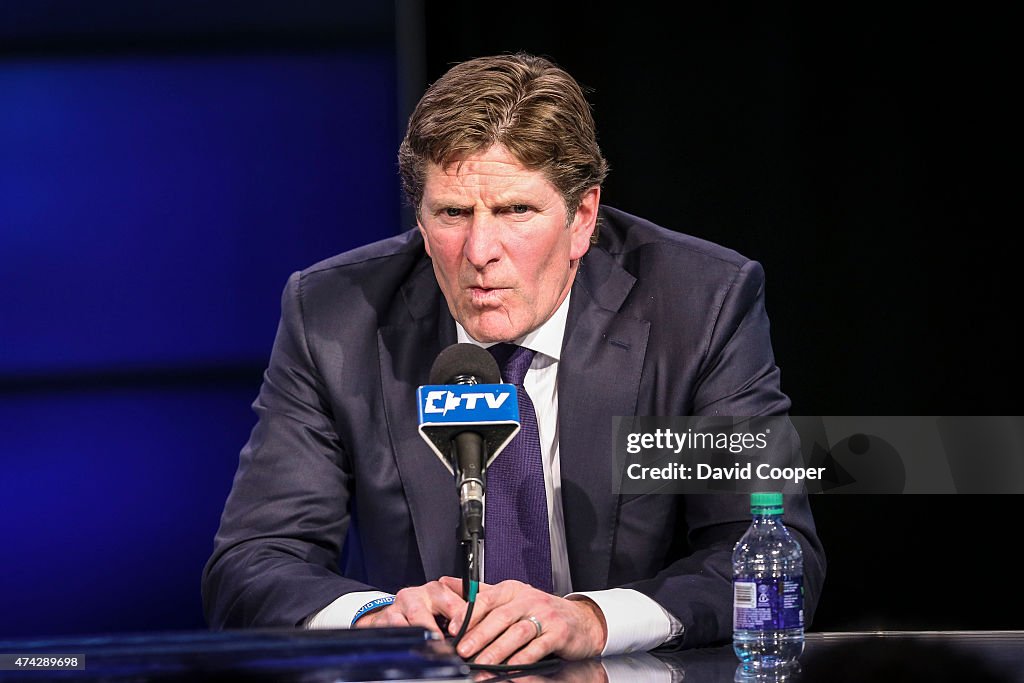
(483, 296)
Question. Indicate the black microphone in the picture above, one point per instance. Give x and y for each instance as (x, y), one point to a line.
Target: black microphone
(467, 417)
(465, 364)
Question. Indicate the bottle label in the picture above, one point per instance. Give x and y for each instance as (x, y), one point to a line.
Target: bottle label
(769, 603)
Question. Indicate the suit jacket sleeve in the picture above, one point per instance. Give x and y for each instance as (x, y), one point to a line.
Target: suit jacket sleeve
(276, 552)
(737, 377)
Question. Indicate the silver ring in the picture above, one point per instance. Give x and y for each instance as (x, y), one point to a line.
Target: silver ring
(536, 624)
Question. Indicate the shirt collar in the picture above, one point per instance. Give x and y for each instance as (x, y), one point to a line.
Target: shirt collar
(546, 339)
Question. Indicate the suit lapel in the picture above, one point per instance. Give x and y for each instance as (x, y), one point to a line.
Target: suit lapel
(407, 348)
(598, 378)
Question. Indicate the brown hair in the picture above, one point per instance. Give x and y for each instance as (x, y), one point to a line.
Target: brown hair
(536, 110)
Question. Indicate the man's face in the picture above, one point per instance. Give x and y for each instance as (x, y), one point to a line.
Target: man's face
(501, 250)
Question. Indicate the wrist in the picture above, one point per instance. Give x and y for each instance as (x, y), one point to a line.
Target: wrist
(597, 625)
(371, 607)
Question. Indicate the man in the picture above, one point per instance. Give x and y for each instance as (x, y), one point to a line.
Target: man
(610, 315)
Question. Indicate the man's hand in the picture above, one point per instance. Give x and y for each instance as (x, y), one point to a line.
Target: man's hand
(501, 630)
(420, 606)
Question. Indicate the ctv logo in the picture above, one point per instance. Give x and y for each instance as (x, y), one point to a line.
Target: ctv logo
(440, 402)
(446, 410)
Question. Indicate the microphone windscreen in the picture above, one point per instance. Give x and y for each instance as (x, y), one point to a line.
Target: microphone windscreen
(462, 360)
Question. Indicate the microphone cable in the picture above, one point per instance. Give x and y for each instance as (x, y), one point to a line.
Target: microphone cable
(471, 601)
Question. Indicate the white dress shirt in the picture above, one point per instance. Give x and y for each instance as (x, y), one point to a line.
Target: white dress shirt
(635, 621)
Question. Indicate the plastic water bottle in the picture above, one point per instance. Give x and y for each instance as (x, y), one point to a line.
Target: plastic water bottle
(768, 590)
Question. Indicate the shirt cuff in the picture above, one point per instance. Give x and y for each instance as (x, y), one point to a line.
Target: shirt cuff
(339, 613)
(635, 622)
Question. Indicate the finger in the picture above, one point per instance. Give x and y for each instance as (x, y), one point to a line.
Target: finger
(451, 583)
(423, 619)
(485, 631)
(414, 605)
(423, 605)
(480, 608)
(536, 650)
(443, 602)
(513, 639)
(455, 610)
(486, 624)
(494, 597)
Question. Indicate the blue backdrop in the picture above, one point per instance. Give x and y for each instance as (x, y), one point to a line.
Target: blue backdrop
(151, 209)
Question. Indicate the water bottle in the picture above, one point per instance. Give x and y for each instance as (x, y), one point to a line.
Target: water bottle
(768, 590)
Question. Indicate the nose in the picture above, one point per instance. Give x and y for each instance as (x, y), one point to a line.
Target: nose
(484, 241)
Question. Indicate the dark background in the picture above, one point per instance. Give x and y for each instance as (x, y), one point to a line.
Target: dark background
(163, 169)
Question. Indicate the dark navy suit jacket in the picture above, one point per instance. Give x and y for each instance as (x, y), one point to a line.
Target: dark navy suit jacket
(659, 324)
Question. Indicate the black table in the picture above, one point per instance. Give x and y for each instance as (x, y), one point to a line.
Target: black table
(874, 657)
(408, 654)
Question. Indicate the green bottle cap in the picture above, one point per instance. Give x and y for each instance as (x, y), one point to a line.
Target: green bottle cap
(766, 503)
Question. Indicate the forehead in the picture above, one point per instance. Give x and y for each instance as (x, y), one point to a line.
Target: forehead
(493, 171)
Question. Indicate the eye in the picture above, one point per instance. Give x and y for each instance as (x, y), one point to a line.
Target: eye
(519, 208)
(453, 212)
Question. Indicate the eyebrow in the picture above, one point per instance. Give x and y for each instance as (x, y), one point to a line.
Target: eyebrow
(501, 203)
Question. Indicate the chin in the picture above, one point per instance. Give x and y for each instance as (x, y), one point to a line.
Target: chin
(483, 325)
(487, 338)
(491, 333)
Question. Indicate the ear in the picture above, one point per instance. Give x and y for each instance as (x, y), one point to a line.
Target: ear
(584, 223)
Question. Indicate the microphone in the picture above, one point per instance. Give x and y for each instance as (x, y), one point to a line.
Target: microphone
(467, 417)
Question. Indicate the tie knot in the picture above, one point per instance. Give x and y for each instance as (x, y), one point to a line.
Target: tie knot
(513, 361)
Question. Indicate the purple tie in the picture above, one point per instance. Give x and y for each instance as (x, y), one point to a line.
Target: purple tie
(518, 544)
